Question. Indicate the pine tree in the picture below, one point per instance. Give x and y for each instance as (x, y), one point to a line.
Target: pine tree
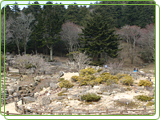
(98, 37)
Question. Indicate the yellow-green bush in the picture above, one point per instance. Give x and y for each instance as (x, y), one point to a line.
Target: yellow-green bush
(106, 77)
(127, 80)
(99, 70)
(145, 83)
(144, 98)
(87, 71)
(120, 75)
(90, 97)
(74, 78)
(85, 80)
(65, 84)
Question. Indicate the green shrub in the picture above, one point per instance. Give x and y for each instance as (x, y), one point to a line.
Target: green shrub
(74, 78)
(144, 98)
(90, 97)
(87, 71)
(127, 80)
(99, 70)
(96, 63)
(29, 65)
(65, 84)
(145, 83)
(150, 103)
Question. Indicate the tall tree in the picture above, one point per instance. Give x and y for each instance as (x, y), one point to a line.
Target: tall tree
(51, 27)
(15, 9)
(99, 38)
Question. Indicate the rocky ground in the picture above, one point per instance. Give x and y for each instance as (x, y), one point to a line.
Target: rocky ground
(45, 89)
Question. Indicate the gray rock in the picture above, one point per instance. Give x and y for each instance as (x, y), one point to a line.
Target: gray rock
(45, 101)
(151, 94)
(57, 108)
(106, 93)
(60, 97)
(61, 73)
(27, 100)
(140, 88)
(53, 86)
(99, 92)
(64, 89)
(11, 91)
(124, 101)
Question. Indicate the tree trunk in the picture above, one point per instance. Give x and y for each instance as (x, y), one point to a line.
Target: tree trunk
(24, 49)
(18, 50)
(51, 53)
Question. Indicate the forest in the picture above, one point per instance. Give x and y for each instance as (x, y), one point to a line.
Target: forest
(103, 32)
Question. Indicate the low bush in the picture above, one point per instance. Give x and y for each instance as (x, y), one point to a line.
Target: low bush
(28, 61)
(74, 78)
(144, 98)
(127, 80)
(86, 80)
(65, 84)
(87, 71)
(107, 78)
(90, 97)
(145, 83)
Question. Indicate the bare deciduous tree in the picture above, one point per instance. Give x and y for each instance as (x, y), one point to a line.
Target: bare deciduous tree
(130, 34)
(147, 42)
(8, 33)
(70, 36)
(80, 60)
(22, 30)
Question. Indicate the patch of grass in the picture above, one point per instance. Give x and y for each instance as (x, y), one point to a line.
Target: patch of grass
(144, 98)
(61, 79)
(150, 103)
(62, 93)
(129, 105)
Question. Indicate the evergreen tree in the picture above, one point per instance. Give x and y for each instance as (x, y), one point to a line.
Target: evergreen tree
(15, 9)
(72, 14)
(99, 38)
(51, 27)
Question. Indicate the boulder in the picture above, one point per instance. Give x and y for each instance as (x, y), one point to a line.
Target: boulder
(11, 91)
(45, 101)
(60, 97)
(53, 86)
(124, 101)
(61, 73)
(27, 100)
(106, 93)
